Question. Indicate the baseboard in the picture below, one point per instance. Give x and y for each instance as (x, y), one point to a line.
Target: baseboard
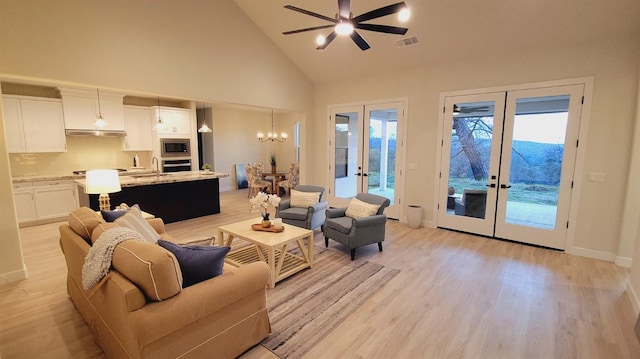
(623, 261)
(14, 276)
(590, 253)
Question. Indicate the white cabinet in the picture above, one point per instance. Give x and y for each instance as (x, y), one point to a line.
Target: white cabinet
(25, 203)
(34, 124)
(81, 108)
(175, 121)
(44, 200)
(137, 123)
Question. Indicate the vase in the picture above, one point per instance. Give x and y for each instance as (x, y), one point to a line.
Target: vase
(273, 168)
(266, 223)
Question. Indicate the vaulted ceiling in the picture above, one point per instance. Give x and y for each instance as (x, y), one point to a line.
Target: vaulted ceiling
(447, 31)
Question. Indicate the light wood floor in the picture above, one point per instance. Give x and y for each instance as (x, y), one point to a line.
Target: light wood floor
(457, 296)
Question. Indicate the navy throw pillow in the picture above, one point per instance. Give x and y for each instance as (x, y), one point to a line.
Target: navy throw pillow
(111, 216)
(197, 263)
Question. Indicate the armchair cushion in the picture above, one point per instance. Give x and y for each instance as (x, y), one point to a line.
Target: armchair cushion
(83, 221)
(298, 213)
(304, 199)
(341, 224)
(197, 263)
(358, 208)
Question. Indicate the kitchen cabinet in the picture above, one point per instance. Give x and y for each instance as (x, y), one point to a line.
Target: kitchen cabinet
(25, 204)
(43, 200)
(137, 123)
(34, 124)
(81, 108)
(176, 121)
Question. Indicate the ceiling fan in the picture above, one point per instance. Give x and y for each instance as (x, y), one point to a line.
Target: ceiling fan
(345, 23)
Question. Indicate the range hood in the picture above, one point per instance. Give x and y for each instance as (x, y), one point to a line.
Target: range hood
(96, 133)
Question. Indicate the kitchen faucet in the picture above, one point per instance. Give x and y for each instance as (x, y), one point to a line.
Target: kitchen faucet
(157, 164)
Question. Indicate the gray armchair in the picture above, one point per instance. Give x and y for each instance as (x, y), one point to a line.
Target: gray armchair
(356, 232)
(472, 203)
(310, 217)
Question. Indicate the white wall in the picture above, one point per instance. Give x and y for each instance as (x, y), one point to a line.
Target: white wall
(199, 50)
(631, 226)
(613, 64)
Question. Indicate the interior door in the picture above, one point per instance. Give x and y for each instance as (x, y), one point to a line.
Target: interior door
(366, 153)
(507, 163)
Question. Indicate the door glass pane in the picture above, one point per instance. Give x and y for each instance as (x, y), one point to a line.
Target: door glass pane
(471, 139)
(539, 130)
(383, 131)
(346, 152)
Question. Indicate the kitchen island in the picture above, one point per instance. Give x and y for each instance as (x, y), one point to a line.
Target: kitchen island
(171, 196)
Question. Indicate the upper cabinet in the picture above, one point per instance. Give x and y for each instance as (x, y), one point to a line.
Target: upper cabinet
(34, 124)
(81, 108)
(137, 123)
(175, 121)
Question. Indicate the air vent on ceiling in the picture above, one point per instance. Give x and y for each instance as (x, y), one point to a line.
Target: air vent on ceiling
(408, 41)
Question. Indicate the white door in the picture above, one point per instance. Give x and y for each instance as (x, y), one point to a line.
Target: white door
(507, 163)
(366, 153)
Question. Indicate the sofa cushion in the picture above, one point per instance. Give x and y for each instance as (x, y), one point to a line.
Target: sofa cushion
(111, 216)
(152, 269)
(197, 263)
(133, 219)
(358, 208)
(304, 199)
(298, 213)
(83, 220)
(340, 224)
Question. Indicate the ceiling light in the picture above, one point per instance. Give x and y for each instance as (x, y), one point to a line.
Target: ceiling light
(344, 28)
(404, 14)
(159, 123)
(320, 40)
(204, 128)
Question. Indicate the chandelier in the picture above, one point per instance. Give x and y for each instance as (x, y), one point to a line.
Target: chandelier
(272, 136)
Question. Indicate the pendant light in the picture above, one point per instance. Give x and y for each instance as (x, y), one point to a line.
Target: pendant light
(159, 124)
(204, 128)
(99, 121)
(272, 136)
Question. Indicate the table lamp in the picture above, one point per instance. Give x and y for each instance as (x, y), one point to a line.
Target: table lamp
(103, 182)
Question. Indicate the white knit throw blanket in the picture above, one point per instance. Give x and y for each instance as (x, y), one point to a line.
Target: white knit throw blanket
(98, 261)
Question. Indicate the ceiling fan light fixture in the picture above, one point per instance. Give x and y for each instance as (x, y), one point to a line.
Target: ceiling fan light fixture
(404, 14)
(344, 28)
(320, 40)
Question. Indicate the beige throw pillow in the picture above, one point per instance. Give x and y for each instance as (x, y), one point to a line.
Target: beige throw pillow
(358, 208)
(133, 220)
(304, 199)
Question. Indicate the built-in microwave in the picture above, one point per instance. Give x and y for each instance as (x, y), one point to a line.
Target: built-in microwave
(175, 147)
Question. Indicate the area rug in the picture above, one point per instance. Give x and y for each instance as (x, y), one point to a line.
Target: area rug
(306, 307)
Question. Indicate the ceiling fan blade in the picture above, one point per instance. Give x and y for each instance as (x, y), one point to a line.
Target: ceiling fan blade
(359, 41)
(327, 40)
(383, 11)
(307, 12)
(307, 29)
(344, 8)
(382, 28)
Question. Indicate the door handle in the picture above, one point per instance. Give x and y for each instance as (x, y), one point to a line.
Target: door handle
(505, 186)
(358, 174)
(493, 185)
(365, 174)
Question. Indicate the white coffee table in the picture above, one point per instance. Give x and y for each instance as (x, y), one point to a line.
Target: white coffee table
(269, 247)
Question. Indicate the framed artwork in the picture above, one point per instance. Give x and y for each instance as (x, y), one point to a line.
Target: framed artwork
(241, 176)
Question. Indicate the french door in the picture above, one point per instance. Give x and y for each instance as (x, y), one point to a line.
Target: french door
(365, 153)
(508, 161)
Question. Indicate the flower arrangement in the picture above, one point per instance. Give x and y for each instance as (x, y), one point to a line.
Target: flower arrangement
(261, 203)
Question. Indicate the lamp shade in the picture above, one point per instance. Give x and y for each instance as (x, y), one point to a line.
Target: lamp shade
(102, 181)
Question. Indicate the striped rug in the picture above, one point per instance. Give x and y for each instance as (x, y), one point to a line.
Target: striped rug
(306, 307)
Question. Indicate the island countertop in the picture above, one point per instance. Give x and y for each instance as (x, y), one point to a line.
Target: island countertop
(150, 178)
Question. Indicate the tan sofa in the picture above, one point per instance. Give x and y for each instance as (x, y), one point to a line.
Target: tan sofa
(221, 317)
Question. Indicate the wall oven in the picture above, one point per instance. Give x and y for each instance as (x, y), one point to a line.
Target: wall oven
(176, 165)
(175, 147)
